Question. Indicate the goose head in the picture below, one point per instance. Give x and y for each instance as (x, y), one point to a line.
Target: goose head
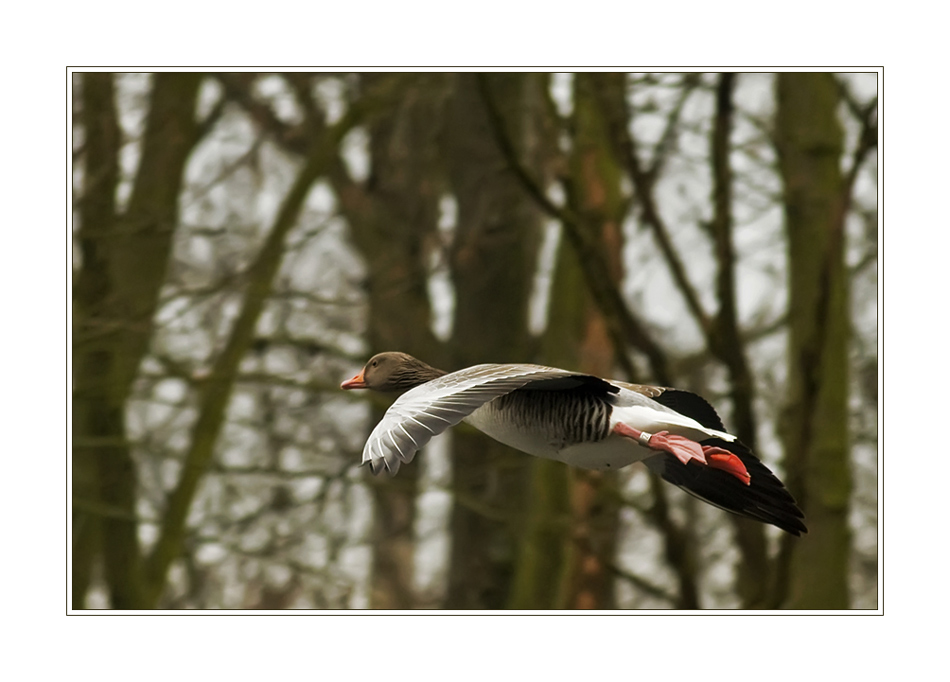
(392, 372)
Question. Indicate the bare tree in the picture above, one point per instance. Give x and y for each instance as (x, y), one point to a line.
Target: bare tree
(246, 241)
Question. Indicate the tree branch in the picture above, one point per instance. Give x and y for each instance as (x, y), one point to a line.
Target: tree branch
(216, 391)
(237, 88)
(612, 98)
(623, 325)
(641, 584)
(867, 140)
(663, 146)
(678, 546)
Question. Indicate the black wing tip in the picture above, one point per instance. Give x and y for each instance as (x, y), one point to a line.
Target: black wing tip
(797, 529)
(790, 523)
(765, 499)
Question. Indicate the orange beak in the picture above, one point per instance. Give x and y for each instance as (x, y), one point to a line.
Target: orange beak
(355, 382)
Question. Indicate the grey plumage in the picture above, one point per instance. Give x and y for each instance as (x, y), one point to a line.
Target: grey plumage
(430, 409)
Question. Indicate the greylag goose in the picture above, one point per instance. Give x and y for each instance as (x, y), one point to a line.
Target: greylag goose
(579, 419)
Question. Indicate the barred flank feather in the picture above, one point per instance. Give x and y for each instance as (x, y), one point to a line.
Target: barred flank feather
(567, 417)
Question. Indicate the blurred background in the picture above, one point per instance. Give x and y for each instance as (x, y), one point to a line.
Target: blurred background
(243, 242)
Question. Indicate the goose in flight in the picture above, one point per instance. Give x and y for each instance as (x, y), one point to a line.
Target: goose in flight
(579, 419)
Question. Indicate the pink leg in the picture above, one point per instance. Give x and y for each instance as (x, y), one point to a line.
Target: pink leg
(682, 448)
(686, 450)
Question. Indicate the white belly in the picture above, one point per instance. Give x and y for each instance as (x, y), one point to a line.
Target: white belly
(609, 454)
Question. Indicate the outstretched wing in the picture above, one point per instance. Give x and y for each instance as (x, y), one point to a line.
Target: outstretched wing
(431, 408)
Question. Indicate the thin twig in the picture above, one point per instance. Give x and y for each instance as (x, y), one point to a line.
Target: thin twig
(613, 102)
(641, 584)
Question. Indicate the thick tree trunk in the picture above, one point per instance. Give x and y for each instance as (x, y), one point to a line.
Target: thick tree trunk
(124, 261)
(93, 288)
(393, 220)
(810, 140)
(596, 181)
(493, 262)
(570, 536)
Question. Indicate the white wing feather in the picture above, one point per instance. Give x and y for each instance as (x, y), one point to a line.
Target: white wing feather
(433, 407)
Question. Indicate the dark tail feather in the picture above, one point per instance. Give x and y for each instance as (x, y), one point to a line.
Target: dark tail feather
(764, 499)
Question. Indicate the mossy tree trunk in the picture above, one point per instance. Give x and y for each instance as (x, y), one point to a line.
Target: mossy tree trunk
(124, 258)
(493, 261)
(571, 528)
(597, 197)
(809, 138)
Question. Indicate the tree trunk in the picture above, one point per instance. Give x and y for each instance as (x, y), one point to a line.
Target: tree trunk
(595, 177)
(93, 286)
(124, 261)
(493, 262)
(393, 219)
(810, 140)
(570, 536)
(753, 571)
